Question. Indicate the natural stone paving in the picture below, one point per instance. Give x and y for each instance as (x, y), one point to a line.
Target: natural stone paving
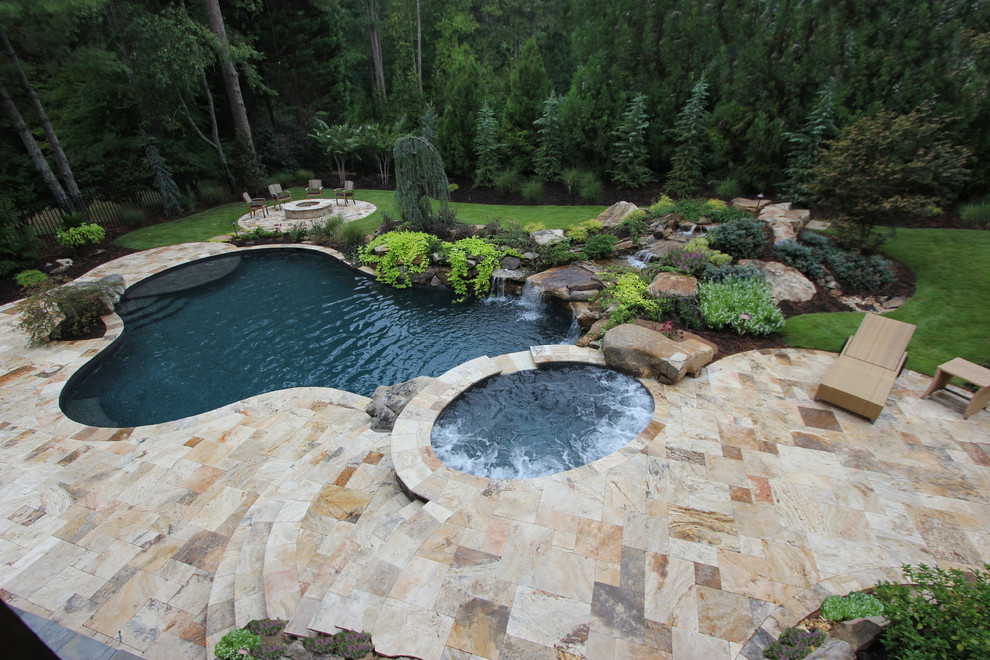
(744, 505)
(274, 218)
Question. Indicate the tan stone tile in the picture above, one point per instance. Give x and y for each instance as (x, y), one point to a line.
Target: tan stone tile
(599, 540)
(550, 620)
(671, 593)
(745, 575)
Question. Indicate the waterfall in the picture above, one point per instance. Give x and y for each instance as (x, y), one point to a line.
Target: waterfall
(573, 332)
(531, 302)
(498, 288)
(640, 259)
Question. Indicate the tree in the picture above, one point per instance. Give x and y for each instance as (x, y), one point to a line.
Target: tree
(428, 125)
(380, 139)
(463, 97)
(629, 155)
(806, 144)
(242, 127)
(373, 17)
(487, 147)
(549, 158)
(689, 131)
(162, 175)
(339, 141)
(421, 184)
(528, 86)
(886, 166)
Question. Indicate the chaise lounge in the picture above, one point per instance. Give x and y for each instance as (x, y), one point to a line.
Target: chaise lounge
(862, 376)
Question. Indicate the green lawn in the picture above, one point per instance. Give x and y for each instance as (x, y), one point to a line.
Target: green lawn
(217, 221)
(951, 305)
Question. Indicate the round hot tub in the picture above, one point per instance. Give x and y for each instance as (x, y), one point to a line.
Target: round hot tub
(307, 209)
(538, 422)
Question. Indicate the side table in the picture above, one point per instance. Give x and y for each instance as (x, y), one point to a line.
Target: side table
(966, 370)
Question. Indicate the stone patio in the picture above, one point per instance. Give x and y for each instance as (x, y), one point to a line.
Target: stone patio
(743, 505)
(274, 217)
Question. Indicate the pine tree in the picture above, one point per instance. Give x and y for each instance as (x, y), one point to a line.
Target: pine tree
(456, 127)
(689, 133)
(428, 124)
(629, 155)
(171, 197)
(548, 161)
(806, 144)
(487, 147)
(528, 85)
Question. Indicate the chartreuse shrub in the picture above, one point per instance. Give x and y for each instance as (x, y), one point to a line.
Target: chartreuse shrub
(78, 237)
(794, 644)
(229, 648)
(408, 252)
(942, 615)
(28, 278)
(580, 233)
(746, 306)
(854, 606)
(481, 251)
(627, 299)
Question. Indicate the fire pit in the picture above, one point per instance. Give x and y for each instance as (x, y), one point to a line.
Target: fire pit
(307, 209)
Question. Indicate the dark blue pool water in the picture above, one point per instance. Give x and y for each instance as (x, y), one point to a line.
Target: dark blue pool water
(541, 421)
(223, 329)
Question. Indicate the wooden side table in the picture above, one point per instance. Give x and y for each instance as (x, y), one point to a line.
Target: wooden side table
(966, 370)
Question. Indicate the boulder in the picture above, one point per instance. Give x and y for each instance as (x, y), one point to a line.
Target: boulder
(584, 315)
(783, 231)
(615, 214)
(747, 204)
(860, 633)
(645, 353)
(510, 274)
(786, 283)
(510, 263)
(389, 400)
(564, 282)
(544, 236)
(594, 333)
(666, 285)
(832, 649)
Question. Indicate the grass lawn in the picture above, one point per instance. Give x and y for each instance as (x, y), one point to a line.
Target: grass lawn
(951, 305)
(217, 221)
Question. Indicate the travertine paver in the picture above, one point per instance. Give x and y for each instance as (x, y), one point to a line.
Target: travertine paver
(743, 506)
(274, 219)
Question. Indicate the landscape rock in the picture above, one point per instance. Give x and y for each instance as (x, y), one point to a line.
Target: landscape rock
(389, 400)
(833, 649)
(645, 353)
(786, 283)
(111, 287)
(544, 236)
(783, 231)
(747, 204)
(860, 633)
(511, 274)
(584, 314)
(510, 263)
(895, 302)
(63, 265)
(615, 214)
(564, 282)
(666, 285)
(594, 333)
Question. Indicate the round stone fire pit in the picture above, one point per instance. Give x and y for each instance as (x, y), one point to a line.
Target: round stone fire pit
(307, 209)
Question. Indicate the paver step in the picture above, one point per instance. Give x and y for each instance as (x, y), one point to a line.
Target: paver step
(220, 607)
(249, 584)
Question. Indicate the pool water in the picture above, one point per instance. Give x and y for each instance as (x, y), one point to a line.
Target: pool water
(542, 421)
(226, 328)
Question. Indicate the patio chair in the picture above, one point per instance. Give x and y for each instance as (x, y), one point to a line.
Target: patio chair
(255, 203)
(279, 195)
(862, 376)
(345, 192)
(315, 188)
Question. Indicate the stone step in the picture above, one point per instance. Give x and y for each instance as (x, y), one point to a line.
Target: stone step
(249, 583)
(281, 573)
(220, 607)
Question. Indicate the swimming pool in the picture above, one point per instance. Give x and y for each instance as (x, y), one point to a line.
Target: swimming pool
(225, 328)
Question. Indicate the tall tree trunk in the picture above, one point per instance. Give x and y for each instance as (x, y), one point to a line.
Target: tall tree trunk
(213, 141)
(378, 66)
(61, 162)
(58, 192)
(242, 128)
(419, 50)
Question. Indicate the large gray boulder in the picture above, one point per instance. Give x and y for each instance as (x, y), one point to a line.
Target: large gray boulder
(544, 236)
(615, 214)
(786, 283)
(645, 353)
(389, 400)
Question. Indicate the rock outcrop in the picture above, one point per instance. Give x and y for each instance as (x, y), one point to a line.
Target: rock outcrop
(786, 283)
(615, 214)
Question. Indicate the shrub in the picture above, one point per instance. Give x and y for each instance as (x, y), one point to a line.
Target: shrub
(572, 179)
(556, 253)
(408, 252)
(532, 191)
(713, 273)
(212, 193)
(230, 646)
(260, 234)
(693, 258)
(854, 606)
(662, 207)
(803, 257)
(690, 313)
(88, 233)
(860, 272)
(742, 238)
(320, 645)
(728, 214)
(484, 254)
(635, 224)
(133, 216)
(599, 246)
(55, 310)
(509, 182)
(296, 234)
(352, 235)
(815, 240)
(352, 645)
(270, 651)
(794, 644)
(944, 615)
(70, 220)
(590, 188)
(28, 278)
(626, 299)
(19, 243)
(975, 214)
(326, 231)
(266, 627)
(746, 306)
(728, 188)
(303, 176)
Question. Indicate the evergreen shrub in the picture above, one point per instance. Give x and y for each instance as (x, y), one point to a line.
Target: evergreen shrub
(743, 238)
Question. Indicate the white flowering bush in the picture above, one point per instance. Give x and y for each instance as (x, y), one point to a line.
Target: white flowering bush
(746, 306)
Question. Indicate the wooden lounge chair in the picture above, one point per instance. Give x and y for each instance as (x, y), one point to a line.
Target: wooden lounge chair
(279, 195)
(255, 203)
(315, 188)
(862, 376)
(345, 192)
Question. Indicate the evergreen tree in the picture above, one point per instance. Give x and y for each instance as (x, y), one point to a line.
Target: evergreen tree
(629, 154)
(528, 86)
(487, 147)
(428, 124)
(689, 132)
(422, 192)
(806, 144)
(457, 124)
(584, 116)
(550, 152)
(162, 175)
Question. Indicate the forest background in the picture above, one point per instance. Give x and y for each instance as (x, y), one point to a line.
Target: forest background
(134, 86)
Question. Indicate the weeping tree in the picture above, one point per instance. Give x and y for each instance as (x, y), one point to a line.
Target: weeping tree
(162, 174)
(421, 188)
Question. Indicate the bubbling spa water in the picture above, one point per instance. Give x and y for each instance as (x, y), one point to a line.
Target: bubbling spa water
(539, 422)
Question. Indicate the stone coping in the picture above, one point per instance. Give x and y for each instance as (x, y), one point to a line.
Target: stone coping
(423, 474)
